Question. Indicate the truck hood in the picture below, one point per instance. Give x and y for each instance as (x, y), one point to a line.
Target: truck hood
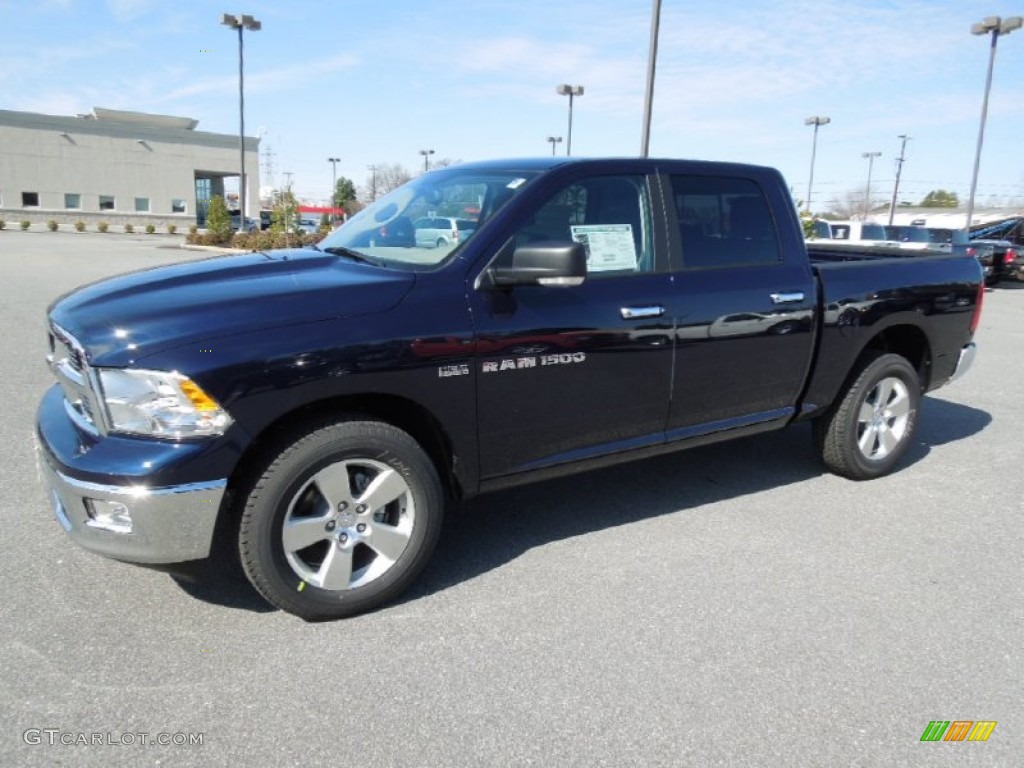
(123, 319)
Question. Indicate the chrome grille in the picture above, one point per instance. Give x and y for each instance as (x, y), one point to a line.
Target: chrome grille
(68, 361)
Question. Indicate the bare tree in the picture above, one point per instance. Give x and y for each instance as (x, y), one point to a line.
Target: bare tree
(848, 205)
(385, 178)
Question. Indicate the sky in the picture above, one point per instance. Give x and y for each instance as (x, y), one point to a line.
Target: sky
(376, 83)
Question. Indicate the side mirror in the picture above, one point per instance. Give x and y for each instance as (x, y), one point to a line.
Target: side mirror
(554, 264)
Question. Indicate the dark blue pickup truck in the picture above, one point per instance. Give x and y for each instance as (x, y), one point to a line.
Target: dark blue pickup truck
(326, 404)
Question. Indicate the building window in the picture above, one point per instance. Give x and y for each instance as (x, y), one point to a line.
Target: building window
(29, 199)
(142, 205)
(106, 202)
(177, 206)
(72, 200)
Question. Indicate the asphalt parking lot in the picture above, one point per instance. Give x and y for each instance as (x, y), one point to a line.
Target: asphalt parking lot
(726, 606)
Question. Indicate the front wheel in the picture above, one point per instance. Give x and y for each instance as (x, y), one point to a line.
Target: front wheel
(342, 521)
(873, 424)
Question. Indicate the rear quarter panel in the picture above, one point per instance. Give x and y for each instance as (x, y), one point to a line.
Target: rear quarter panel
(862, 300)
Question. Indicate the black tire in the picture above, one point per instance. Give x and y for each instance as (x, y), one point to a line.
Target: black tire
(873, 423)
(358, 549)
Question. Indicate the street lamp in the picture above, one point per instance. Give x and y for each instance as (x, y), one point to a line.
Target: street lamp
(570, 91)
(994, 26)
(334, 184)
(373, 183)
(899, 169)
(817, 122)
(554, 140)
(867, 195)
(426, 158)
(241, 22)
(652, 58)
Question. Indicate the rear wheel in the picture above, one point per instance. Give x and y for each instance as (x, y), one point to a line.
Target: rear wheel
(441, 242)
(342, 521)
(874, 422)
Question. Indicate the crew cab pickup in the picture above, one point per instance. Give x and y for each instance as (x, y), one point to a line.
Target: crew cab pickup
(326, 404)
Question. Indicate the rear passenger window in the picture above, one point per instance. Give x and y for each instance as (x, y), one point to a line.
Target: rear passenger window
(724, 222)
(609, 215)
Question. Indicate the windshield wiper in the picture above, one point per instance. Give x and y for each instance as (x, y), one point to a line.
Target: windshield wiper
(339, 250)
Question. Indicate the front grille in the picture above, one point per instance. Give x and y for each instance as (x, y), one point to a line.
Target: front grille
(68, 361)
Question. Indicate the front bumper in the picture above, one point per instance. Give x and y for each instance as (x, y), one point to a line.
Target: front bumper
(168, 525)
(141, 501)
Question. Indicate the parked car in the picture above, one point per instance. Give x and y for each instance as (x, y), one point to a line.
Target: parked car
(999, 259)
(266, 219)
(355, 390)
(859, 232)
(918, 238)
(439, 231)
(250, 225)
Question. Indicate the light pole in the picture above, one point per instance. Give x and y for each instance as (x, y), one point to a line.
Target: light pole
(373, 181)
(899, 170)
(570, 91)
(554, 140)
(867, 195)
(334, 184)
(652, 59)
(426, 158)
(817, 122)
(240, 23)
(994, 26)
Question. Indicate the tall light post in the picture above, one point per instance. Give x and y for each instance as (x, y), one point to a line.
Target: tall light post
(373, 181)
(554, 140)
(426, 158)
(334, 184)
(817, 122)
(867, 193)
(899, 169)
(994, 26)
(570, 91)
(241, 22)
(652, 59)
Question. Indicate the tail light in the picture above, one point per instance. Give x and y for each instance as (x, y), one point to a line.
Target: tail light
(976, 318)
(455, 235)
(1009, 256)
(972, 251)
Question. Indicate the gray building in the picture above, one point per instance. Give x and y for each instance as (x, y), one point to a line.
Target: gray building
(119, 167)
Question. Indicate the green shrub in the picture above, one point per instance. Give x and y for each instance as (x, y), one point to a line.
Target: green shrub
(193, 229)
(52, 225)
(128, 229)
(172, 228)
(80, 226)
(25, 224)
(103, 226)
(150, 229)
(218, 220)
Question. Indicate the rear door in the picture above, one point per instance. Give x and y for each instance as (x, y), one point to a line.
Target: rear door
(743, 302)
(567, 373)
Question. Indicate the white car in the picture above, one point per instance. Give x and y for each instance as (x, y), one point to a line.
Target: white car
(440, 231)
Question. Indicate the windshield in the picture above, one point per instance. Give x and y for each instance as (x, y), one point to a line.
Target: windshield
(425, 221)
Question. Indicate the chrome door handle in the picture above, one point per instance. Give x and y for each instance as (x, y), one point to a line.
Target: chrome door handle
(634, 313)
(787, 298)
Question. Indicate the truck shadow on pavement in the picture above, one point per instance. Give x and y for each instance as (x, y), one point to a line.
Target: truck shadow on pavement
(492, 530)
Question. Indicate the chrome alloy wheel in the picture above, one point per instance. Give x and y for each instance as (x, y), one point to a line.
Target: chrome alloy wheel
(348, 524)
(883, 418)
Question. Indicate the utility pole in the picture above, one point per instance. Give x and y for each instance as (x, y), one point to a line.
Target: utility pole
(373, 181)
(867, 193)
(899, 169)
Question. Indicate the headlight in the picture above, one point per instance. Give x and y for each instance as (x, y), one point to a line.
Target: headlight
(160, 404)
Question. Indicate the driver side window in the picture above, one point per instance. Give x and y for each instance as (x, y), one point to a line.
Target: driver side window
(608, 215)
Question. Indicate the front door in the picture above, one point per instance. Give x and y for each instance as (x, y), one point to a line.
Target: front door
(566, 373)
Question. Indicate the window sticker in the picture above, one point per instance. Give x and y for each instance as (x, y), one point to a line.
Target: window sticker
(608, 246)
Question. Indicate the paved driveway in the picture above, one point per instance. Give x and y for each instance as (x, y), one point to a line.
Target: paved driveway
(725, 606)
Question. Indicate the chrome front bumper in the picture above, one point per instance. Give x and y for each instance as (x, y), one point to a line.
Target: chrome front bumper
(963, 365)
(167, 525)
